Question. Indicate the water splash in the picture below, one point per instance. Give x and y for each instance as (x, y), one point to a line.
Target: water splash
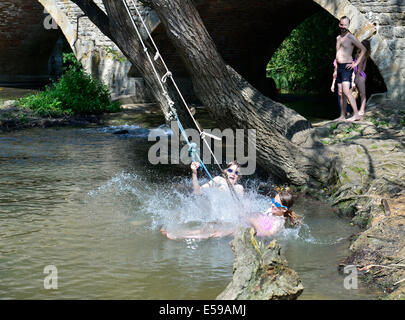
(302, 233)
(172, 205)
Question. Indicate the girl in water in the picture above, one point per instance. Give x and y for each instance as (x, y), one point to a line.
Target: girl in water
(267, 224)
(232, 172)
(273, 220)
(360, 76)
(211, 230)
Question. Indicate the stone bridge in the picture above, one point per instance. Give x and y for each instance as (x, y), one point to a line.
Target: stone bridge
(246, 33)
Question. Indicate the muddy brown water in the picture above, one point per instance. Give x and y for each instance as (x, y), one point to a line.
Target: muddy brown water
(89, 202)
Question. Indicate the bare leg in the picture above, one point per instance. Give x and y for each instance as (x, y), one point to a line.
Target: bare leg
(361, 86)
(343, 103)
(352, 101)
(204, 233)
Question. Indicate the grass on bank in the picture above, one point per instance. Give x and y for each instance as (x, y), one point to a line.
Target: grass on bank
(76, 92)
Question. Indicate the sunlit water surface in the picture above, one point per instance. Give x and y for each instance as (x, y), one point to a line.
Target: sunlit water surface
(89, 202)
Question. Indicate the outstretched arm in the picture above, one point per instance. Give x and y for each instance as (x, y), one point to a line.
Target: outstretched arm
(196, 185)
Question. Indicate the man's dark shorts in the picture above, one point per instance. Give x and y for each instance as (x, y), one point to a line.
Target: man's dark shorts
(344, 74)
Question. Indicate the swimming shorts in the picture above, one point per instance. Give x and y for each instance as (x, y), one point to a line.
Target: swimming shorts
(343, 74)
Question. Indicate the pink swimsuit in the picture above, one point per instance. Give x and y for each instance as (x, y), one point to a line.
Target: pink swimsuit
(268, 223)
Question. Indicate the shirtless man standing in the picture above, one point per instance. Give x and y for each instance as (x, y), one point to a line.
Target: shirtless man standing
(345, 44)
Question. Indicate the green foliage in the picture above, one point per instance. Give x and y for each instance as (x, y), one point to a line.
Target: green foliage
(332, 128)
(75, 92)
(354, 127)
(303, 62)
(402, 122)
(71, 63)
(115, 54)
(379, 123)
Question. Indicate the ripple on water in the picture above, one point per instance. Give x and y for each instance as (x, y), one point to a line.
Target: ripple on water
(88, 202)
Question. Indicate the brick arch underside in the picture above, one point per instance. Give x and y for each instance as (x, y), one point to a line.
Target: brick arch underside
(246, 33)
(24, 42)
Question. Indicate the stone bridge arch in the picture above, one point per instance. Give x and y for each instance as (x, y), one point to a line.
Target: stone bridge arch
(245, 32)
(98, 54)
(383, 23)
(25, 46)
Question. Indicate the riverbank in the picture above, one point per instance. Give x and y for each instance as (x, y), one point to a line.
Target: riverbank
(371, 190)
(13, 117)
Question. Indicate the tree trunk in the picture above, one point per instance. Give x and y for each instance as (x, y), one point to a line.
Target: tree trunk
(117, 26)
(236, 104)
(231, 100)
(260, 272)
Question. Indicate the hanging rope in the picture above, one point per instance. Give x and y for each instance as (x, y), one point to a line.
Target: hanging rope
(162, 80)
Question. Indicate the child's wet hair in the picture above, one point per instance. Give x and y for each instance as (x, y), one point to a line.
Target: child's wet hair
(287, 199)
(366, 43)
(233, 163)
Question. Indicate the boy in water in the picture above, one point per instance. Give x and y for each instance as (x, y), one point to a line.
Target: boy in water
(345, 44)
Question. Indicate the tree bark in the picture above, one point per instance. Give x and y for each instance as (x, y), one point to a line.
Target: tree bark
(232, 101)
(260, 272)
(236, 104)
(117, 26)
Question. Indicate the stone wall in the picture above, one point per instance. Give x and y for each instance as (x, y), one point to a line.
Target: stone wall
(98, 54)
(246, 34)
(383, 23)
(389, 18)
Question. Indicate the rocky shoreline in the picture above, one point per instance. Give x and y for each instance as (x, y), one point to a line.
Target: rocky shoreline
(371, 189)
(13, 117)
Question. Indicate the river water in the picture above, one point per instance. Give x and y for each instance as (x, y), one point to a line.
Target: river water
(89, 203)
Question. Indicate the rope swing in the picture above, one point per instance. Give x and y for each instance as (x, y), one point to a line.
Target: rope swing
(162, 80)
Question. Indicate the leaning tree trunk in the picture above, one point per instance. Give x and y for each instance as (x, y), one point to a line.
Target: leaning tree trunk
(117, 26)
(231, 100)
(236, 104)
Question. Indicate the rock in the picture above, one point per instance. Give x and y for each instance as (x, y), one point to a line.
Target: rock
(376, 99)
(323, 132)
(260, 273)
(342, 127)
(9, 103)
(354, 134)
(371, 191)
(383, 248)
(369, 131)
(121, 132)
